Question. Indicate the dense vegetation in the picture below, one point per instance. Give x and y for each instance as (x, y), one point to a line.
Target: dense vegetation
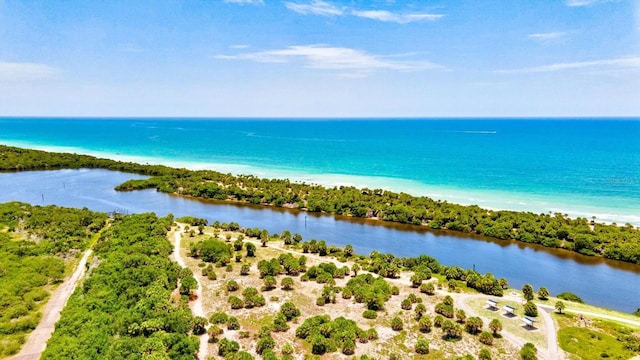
(34, 242)
(558, 231)
(125, 309)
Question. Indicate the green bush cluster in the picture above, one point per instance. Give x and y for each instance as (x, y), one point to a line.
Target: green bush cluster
(125, 308)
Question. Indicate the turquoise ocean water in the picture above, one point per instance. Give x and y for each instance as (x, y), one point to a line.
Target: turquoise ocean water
(581, 167)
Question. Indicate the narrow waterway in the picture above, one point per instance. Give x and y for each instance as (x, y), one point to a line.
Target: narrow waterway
(600, 282)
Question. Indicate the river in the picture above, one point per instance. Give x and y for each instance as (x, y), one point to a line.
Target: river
(600, 282)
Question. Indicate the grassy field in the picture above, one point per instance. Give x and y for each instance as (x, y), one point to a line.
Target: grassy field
(587, 338)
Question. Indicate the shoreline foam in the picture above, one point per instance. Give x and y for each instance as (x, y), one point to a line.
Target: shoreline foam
(488, 199)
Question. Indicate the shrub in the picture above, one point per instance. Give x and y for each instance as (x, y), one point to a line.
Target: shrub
(396, 324)
(236, 302)
(218, 318)
(461, 316)
(486, 338)
(422, 346)
(451, 330)
(484, 354)
(348, 347)
(286, 283)
(528, 352)
(265, 342)
(424, 324)
(427, 288)
(280, 323)
(226, 347)
(269, 282)
(232, 285)
(445, 310)
(233, 324)
(496, 326)
(369, 314)
(474, 325)
(406, 304)
(570, 297)
(438, 320)
(289, 310)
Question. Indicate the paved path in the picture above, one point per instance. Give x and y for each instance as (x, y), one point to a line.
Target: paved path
(196, 305)
(37, 340)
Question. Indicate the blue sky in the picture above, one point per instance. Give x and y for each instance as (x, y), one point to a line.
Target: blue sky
(316, 58)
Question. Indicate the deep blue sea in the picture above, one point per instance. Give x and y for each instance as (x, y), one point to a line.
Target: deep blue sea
(581, 167)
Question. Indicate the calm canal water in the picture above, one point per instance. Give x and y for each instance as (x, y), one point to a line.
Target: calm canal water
(604, 283)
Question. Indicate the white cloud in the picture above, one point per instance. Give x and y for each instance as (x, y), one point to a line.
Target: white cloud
(316, 7)
(245, 2)
(619, 64)
(325, 57)
(323, 8)
(576, 3)
(14, 71)
(548, 36)
(386, 16)
(239, 46)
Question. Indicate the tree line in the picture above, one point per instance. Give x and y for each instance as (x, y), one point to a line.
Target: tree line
(581, 235)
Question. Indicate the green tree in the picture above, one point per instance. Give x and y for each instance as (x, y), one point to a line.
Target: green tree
(348, 250)
(199, 325)
(187, 285)
(496, 326)
(560, 306)
(543, 293)
(486, 338)
(528, 352)
(251, 249)
(527, 292)
(530, 309)
(355, 268)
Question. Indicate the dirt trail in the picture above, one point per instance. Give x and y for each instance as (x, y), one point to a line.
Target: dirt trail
(37, 340)
(195, 305)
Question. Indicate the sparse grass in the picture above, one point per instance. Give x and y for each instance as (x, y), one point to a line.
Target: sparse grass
(513, 325)
(592, 344)
(304, 295)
